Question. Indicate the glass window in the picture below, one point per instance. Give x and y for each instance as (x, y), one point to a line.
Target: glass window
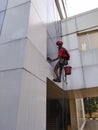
(88, 40)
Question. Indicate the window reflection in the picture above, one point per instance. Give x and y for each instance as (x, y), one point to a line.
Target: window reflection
(88, 40)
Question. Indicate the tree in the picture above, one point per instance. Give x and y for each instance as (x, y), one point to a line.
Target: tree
(90, 105)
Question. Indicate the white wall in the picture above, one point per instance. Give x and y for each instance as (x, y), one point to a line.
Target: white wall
(37, 30)
(23, 68)
(3, 5)
(15, 23)
(53, 29)
(84, 64)
(87, 20)
(32, 105)
(10, 88)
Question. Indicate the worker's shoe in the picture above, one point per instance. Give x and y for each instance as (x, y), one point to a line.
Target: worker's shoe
(57, 80)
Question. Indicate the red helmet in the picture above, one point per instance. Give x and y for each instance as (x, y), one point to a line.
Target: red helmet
(59, 43)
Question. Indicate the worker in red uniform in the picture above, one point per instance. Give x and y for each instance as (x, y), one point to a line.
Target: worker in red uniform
(63, 57)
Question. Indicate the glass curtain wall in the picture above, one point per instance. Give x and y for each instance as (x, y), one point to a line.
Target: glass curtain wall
(88, 40)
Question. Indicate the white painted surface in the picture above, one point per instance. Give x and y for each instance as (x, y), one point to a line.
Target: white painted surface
(75, 58)
(52, 49)
(53, 14)
(53, 28)
(90, 57)
(91, 76)
(37, 31)
(1, 20)
(75, 80)
(87, 20)
(23, 54)
(35, 62)
(32, 107)
(3, 4)
(10, 84)
(41, 9)
(16, 3)
(12, 54)
(84, 64)
(24, 68)
(80, 22)
(70, 41)
(69, 26)
(15, 23)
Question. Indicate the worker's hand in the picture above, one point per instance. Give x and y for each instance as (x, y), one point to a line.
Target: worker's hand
(49, 59)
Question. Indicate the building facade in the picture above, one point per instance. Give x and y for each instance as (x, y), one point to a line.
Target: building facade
(28, 32)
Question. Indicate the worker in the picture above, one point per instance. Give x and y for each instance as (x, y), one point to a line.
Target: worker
(63, 57)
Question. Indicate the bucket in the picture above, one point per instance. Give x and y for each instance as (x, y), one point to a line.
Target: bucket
(67, 70)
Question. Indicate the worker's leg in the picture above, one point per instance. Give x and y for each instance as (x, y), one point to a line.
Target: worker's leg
(58, 74)
(62, 63)
(60, 71)
(56, 70)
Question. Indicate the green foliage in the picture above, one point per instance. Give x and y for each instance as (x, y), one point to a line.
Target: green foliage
(91, 105)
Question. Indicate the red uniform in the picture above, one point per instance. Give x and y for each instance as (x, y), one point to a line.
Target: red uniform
(62, 53)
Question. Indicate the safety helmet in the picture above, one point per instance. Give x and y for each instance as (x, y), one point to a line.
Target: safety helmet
(59, 43)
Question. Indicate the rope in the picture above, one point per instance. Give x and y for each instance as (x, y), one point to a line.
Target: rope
(56, 22)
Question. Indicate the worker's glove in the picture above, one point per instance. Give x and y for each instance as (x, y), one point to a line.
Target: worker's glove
(49, 59)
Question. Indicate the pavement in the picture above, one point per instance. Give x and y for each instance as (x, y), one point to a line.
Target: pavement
(91, 125)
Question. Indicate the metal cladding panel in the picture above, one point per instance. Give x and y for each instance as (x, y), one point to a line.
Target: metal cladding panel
(37, 31)
(87, 20)
(2, 14)
(75, 58)
(69, 26)
(41, 9)
(16, 3)
(15, 23)
(52, 48)
(32, 108)
(35, 62)
(91, 76)
(12, 55)
(53, 29)
(89, 57)
(10, 85)
(3, 4)
(70, 41)
(75, 80)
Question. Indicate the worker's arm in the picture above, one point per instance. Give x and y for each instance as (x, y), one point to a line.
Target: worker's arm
(52, 60)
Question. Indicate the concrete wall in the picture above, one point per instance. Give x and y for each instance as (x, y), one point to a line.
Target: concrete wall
(23, 66)
(84, 64)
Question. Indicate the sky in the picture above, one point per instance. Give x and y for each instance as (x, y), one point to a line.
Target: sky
(75, 7)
